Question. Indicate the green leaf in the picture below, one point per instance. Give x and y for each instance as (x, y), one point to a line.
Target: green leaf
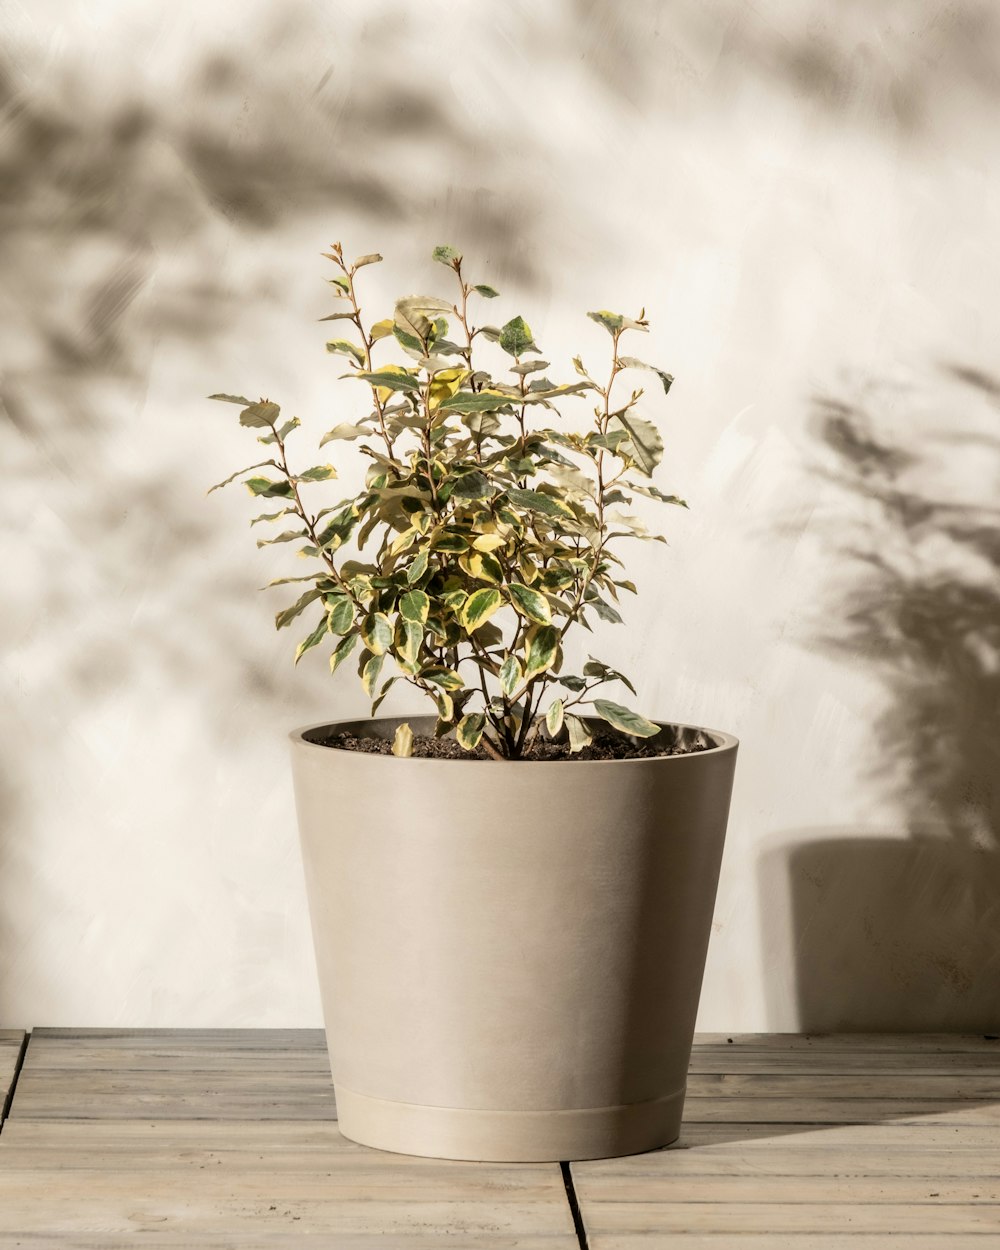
(372, 258)
(446, 255)
(409, 342)
(576, 684)
(342, 347)
(342, 650)
(409, 639)
(534, 500)
(653, 492)
(627, 721)
(267, 489)
(481, 565)
(597, 668)
(530, 603)
(481, 424)
(612, 322)
(259, 416)
(479, 607)
(414, 606)
(371, 672)
(446, 678)
(541, 393)
(289, 536)
(487, 292)
(470, 730)
(529, 366)
(515, 337)
(402, 741)
(473, 485)
(418, 568)
(605, 611)
(317, 636)
(645, 439)
(490, 332)
(338, 316)
(272, 516)
(233, 476)
(340, 613)
(554, 717)
(630, 362)
(411, 315)
(391, 381)
(450, 542)
(579, 734)
(511, 675)
(479, 401)
(376, 633)
(289, 614)
(233, 399)
(320, 473)
(343, 431)
(543, 644)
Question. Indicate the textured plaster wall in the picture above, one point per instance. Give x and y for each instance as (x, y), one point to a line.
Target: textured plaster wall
(806, 201)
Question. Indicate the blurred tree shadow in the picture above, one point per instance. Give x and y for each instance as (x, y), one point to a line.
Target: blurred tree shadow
(904, 933)
(111, 200)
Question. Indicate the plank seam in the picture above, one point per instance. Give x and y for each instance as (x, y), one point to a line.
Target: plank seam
(574, 1206)
(18, 1065)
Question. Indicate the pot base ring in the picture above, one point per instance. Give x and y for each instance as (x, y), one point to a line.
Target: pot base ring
(489, 1136)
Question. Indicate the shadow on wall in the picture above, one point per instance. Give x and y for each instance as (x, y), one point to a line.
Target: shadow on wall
(903, 933)
(113, 202)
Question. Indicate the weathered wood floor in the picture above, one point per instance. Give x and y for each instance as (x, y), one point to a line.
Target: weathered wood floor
(219, 1140)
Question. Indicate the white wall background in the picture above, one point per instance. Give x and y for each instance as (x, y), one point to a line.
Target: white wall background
(805, 198)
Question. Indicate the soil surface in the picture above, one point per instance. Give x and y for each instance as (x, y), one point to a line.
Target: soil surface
(604, 747)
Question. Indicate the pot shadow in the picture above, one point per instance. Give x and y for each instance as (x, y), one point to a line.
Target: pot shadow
(897, 930)
(903, 932)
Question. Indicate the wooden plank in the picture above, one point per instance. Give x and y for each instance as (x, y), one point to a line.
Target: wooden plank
(11, 1041)
(823, 1143)
(148, 1095)
(254, 1239)
(50, 1056)
(646, 1186)
(243, 1152)
(738, 1218)
(901, 1043)
(805, 1110)
(833, 1062)
(852, 1161)
(230, 1039)
(952, 1087)
(793, 1241)
(889, 1135)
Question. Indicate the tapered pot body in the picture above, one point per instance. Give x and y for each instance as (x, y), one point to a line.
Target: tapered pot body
(510, 953)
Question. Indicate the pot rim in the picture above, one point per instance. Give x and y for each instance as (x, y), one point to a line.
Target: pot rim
(725, 742)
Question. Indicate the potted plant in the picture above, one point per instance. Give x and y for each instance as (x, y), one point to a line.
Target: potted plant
(511, 900)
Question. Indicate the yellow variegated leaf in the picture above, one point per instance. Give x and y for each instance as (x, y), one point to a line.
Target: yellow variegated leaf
(470, 730)
(402, 741)
(479, 607)
(530, 603)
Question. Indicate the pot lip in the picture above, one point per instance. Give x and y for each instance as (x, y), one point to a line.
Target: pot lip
(727, 742)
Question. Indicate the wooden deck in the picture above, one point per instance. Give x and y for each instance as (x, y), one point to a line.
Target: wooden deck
(220, 1139)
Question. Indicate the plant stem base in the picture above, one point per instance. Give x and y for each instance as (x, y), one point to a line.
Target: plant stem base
(509, 1136)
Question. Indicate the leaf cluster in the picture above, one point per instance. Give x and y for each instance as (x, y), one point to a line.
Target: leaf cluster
(486, 528)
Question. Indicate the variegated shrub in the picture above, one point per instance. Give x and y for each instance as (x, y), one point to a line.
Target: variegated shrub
(488, 525)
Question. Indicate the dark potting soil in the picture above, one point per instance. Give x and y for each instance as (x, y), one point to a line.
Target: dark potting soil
(603, 747)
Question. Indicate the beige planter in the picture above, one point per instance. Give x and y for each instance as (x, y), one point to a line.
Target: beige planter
(510, 954)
